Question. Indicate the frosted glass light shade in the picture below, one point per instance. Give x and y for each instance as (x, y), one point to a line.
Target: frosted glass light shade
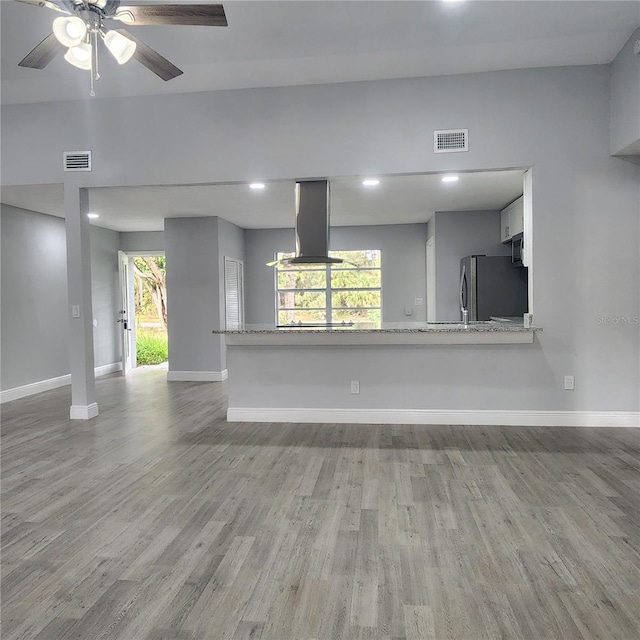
(69, 30)
(120, 47)
(79, 56)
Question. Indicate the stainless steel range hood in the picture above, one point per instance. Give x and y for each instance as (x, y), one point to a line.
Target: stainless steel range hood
(312, 225)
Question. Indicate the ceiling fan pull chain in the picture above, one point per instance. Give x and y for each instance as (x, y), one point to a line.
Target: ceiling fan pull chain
(92, 92)
(94, 37)
(94, 62)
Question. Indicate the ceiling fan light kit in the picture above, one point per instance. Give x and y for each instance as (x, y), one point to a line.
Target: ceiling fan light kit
(70, 31)
(121, 48)
(79, 56)
(84, 20)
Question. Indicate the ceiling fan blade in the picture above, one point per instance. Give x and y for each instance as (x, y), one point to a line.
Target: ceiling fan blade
(204, 15)
(44, 3)
(151, 59)
(43, 53)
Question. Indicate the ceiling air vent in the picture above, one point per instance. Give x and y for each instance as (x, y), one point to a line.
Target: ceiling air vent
(450, 140)
(76, 160)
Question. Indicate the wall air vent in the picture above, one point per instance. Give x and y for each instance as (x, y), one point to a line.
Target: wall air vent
(450, 140)
(76, 160)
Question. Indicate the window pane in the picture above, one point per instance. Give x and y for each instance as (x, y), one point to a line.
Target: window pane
(356, 278)
(364, 318)
(293, 316)
(363, 258)
(302, 299)
(295, 279)
(355, 299)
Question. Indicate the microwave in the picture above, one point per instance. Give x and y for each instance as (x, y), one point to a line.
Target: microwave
(517, 250)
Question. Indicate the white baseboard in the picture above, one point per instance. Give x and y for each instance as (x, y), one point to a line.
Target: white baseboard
(108, 368)
(197, 376)
(83, 412)
(435, 417)
(52, 383)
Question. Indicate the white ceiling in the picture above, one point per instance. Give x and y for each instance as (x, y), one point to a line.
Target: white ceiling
(300, 42)
(396, 200)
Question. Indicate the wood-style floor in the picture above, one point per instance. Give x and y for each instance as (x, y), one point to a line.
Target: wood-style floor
(160, 521)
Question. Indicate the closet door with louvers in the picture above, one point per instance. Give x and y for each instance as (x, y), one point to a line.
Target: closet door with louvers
(234, 294)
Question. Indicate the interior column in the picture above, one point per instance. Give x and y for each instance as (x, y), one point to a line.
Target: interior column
(83, 388)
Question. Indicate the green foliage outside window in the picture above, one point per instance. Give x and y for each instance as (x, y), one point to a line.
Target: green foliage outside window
(350, 293)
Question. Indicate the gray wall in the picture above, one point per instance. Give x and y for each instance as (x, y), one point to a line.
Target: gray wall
(403, 267)
(34, 297)
(459, 234)
(142, 241)
(585, 235)
(193, 305)
(625, 98)
(34, 315)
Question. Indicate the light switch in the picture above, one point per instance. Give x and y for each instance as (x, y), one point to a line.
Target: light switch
(75, 310)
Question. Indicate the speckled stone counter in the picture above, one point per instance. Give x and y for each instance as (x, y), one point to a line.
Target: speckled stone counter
(490, 332)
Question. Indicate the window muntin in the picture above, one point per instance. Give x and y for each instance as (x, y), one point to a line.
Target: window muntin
(321, 294)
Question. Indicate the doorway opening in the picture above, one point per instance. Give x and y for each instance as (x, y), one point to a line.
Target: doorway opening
(143, 314)
(150, 309)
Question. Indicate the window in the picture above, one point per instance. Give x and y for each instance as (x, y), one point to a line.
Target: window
(319, 294)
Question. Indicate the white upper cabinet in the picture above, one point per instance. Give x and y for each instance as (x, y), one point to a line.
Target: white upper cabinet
(512, 220)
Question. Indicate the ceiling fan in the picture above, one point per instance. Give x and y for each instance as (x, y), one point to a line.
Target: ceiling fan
(83, 24)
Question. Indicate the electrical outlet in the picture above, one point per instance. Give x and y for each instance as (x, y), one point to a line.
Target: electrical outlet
(408, 311)
(355, 387)
(569, 383)
(636, 47)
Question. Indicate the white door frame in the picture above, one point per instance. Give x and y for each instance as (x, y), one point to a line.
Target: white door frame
(527, 189)
(124, 313)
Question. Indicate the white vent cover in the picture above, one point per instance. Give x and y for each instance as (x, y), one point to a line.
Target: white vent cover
(76, 160)
(450, 140)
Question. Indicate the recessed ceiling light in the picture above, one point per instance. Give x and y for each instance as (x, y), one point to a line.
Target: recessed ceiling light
(93, 216)
(256, 186)
(449, 179)
(371, 182)
(452, 1)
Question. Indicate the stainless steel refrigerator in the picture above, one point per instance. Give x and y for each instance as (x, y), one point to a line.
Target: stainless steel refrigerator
(492, 286)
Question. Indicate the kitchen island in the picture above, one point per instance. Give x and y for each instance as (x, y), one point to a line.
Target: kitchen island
(401, 373)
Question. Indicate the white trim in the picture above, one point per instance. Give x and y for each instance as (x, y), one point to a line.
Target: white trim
(438, 416)
(35, 387)
(108, 368)
(197, 376)
(52, 383)
(144, 254)
(83, 412)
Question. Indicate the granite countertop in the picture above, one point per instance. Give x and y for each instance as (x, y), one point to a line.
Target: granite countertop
(390, 327)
